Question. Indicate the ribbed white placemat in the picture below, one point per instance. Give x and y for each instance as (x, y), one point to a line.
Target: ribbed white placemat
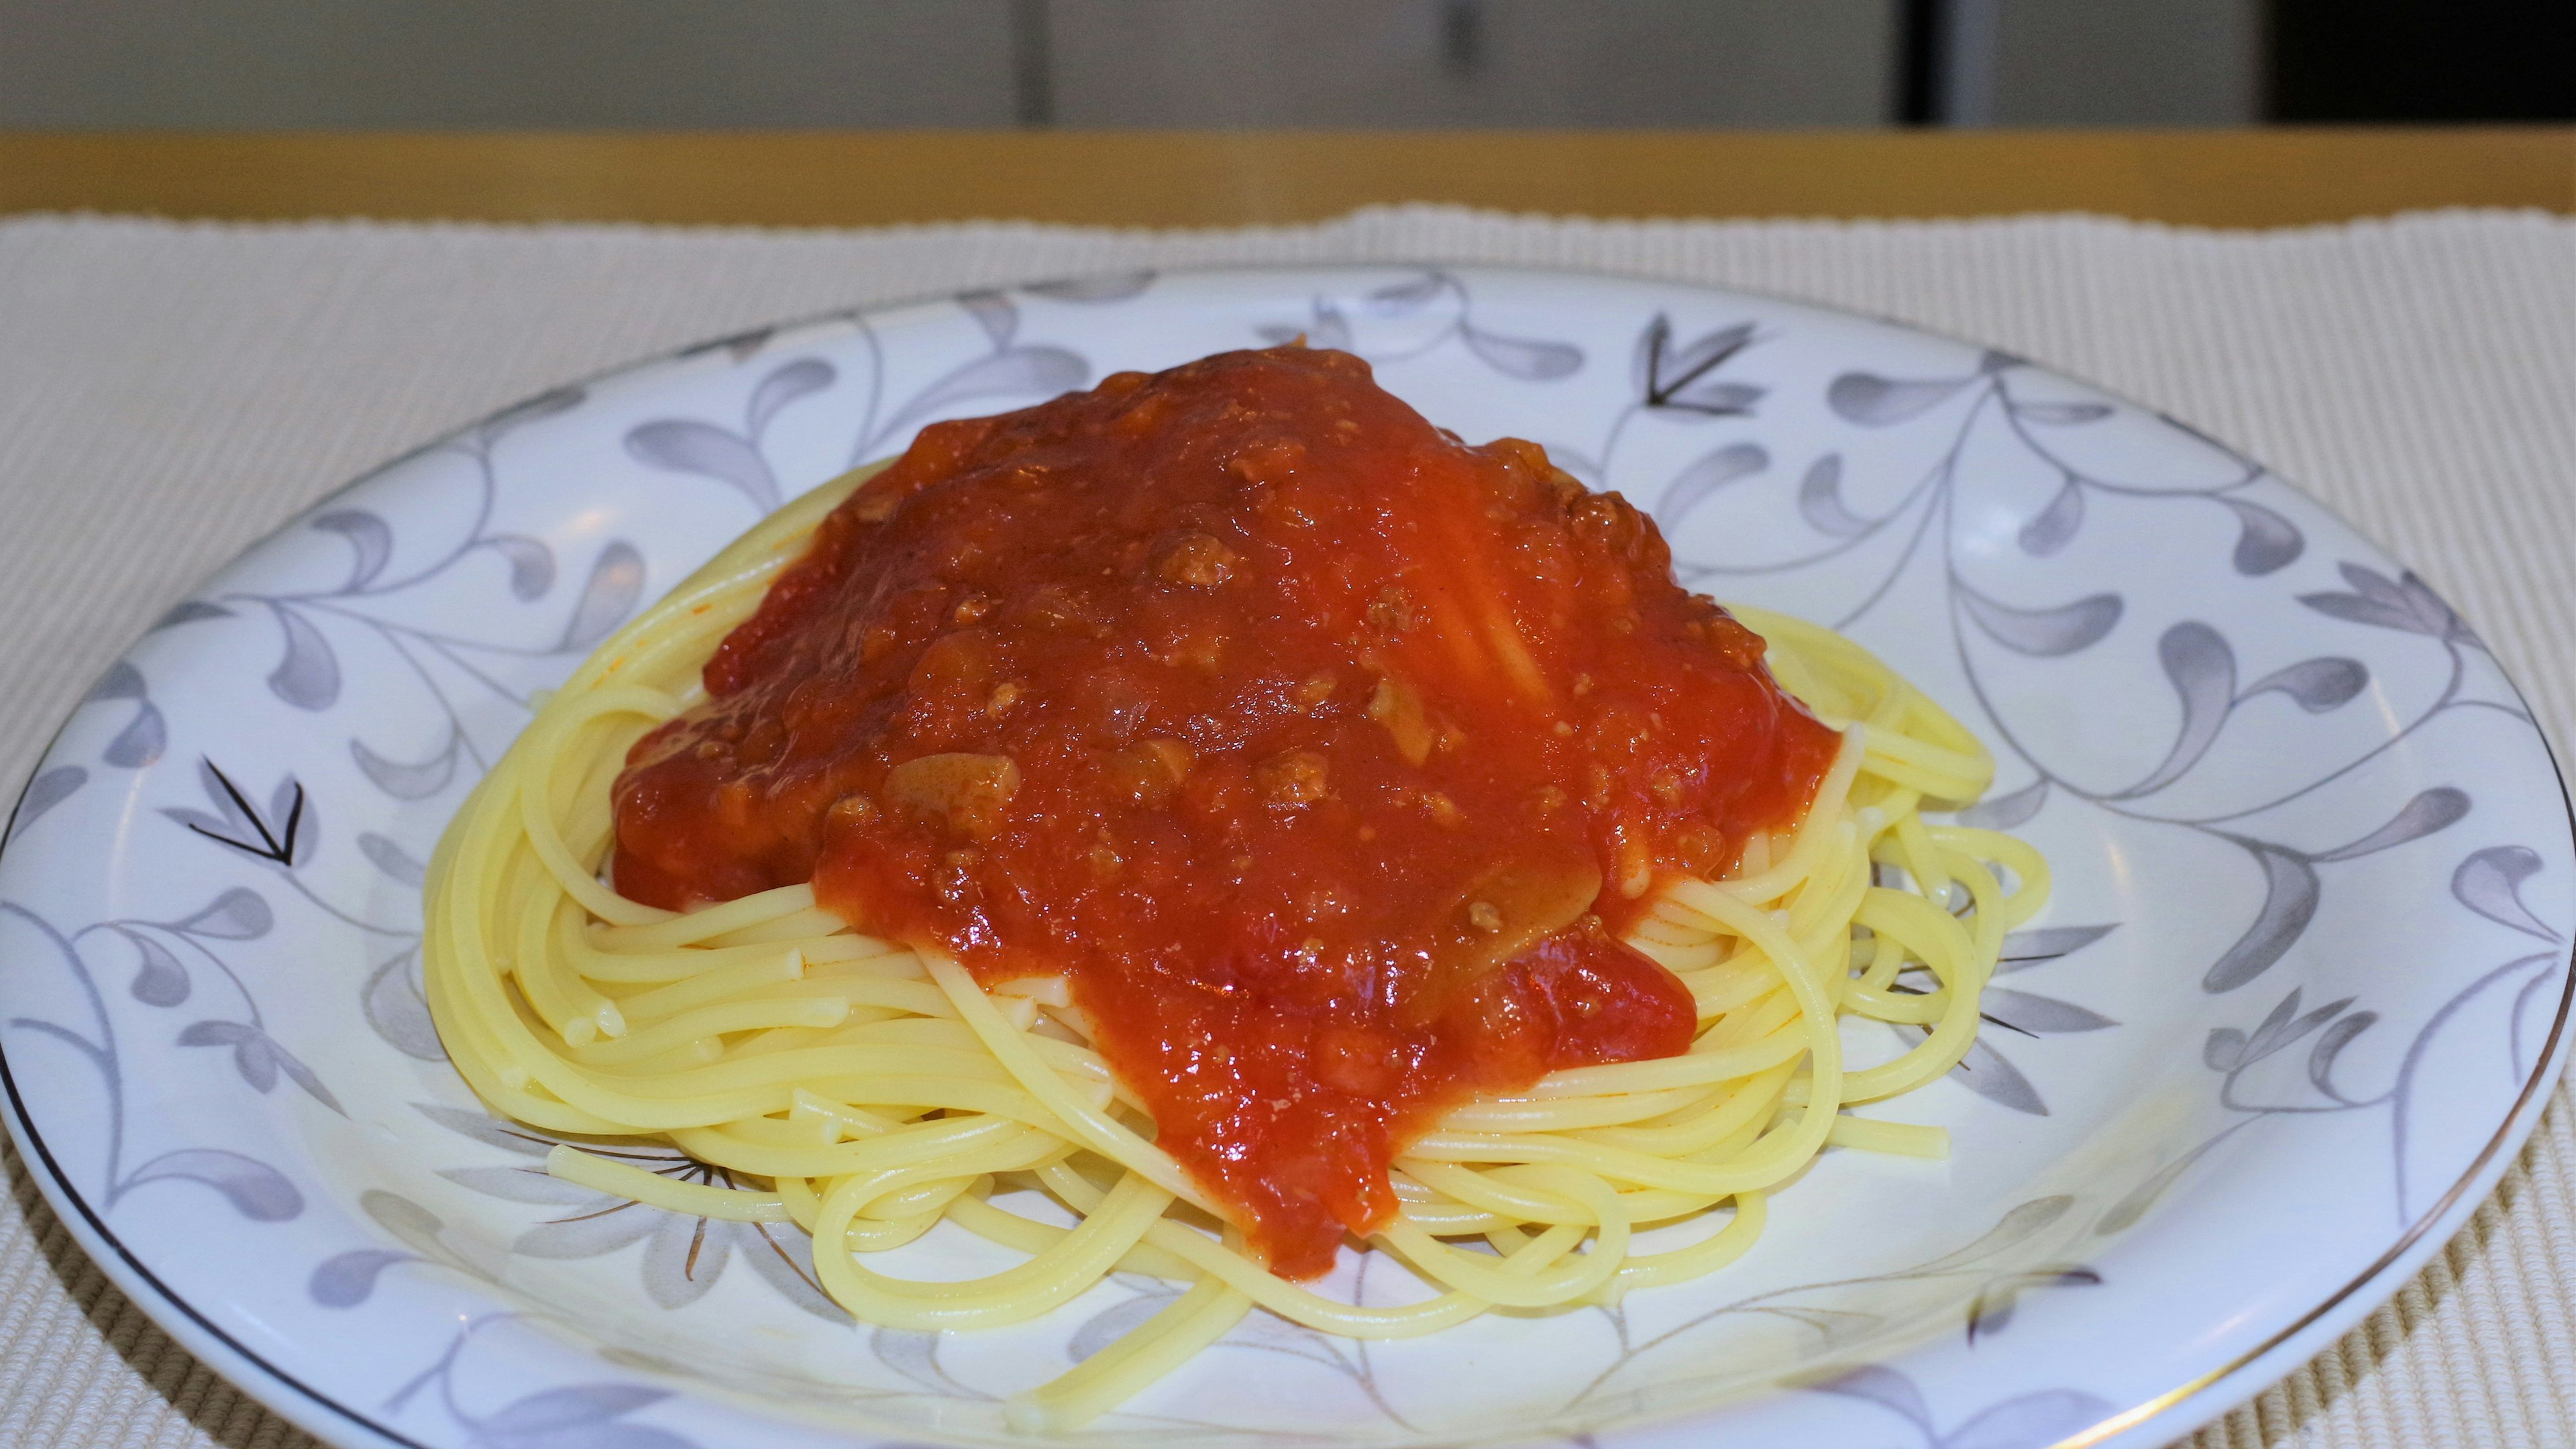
(170, 393)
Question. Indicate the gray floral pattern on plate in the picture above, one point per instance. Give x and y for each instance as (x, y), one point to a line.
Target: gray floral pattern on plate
(2304, 975)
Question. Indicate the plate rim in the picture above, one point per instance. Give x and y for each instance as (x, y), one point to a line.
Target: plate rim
(2181, 1409)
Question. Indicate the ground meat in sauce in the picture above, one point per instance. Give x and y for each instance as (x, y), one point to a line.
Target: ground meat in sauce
(1324, 755)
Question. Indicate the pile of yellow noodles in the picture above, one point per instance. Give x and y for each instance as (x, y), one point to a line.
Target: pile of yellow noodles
(881, 1091)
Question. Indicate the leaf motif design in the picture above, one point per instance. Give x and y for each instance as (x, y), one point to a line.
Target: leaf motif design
(2044, 633)
(44, 792)
(189, 611)
(308, 675)
(1820, 500)
(801, 378)
(2289, 903)
(297, 822)
(1833, 1325)
(1680, 382)
(409, 781)
(2202, 669)
(1992, 1309)
(1877, 402)
(1714, 398)
(2022, 1220)
(2032, 1421)
(1882, 1386)
(685, 445)
(251, 1055)
(159, 980)
(236, 915)
(1331, 328)
(254, 1064)
(211, 780)
(302, 1075)
(234, 819)
(486, 1129)
(1714, 470)
(403, 1218)
(1398, 299)
(2025, 949)
(369, 538)
(2004, 812)
(121, 681)
(2224, 1051)
(256, 1190)
(2265, 541)
(2061, 414)
(1647, 357)
(2372, 584)
(683, 1259)
(2404, 603)
(141, 741)
(2052, 528)
(349, 1279)
(1105, 287)
(1704, 352)
(390, 858)
(2353, 608)
(2040, 1015)
(2272, 1024)
(532, 564)
(2438, 616)
(550, 1412)
(2281, 1027)
(774, 1262)
(2133, 1204)
(2321, 1057)
(144, 737)
(526, 1184)
(2318, 685)
(1527, 358)
(1115, 1322)
(993, 312)
(616, 582)
(588, 1236)
(1012, 372)
(2027, 1218)
(1985, 1072)
(2490, 883)
(2429, 811)
(399, 1014)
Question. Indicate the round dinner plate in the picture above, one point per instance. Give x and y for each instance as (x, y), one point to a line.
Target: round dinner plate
(2300, 994)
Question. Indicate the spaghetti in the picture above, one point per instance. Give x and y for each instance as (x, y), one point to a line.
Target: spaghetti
(882, 1089)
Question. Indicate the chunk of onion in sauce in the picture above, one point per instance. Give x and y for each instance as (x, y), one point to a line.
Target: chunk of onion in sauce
(967, 792)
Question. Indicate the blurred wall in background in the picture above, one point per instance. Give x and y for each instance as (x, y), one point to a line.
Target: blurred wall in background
(289, 64)
(2160, 63)
(1478, 63)
(227, 64)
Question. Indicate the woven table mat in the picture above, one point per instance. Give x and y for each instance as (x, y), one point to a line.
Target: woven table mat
(170, 393)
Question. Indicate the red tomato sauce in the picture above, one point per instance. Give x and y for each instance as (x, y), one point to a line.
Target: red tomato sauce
(1324, 755)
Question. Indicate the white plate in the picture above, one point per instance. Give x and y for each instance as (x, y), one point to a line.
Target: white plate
(2299, 995)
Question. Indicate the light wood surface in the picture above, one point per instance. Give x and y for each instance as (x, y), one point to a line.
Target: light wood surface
(1147, 178)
